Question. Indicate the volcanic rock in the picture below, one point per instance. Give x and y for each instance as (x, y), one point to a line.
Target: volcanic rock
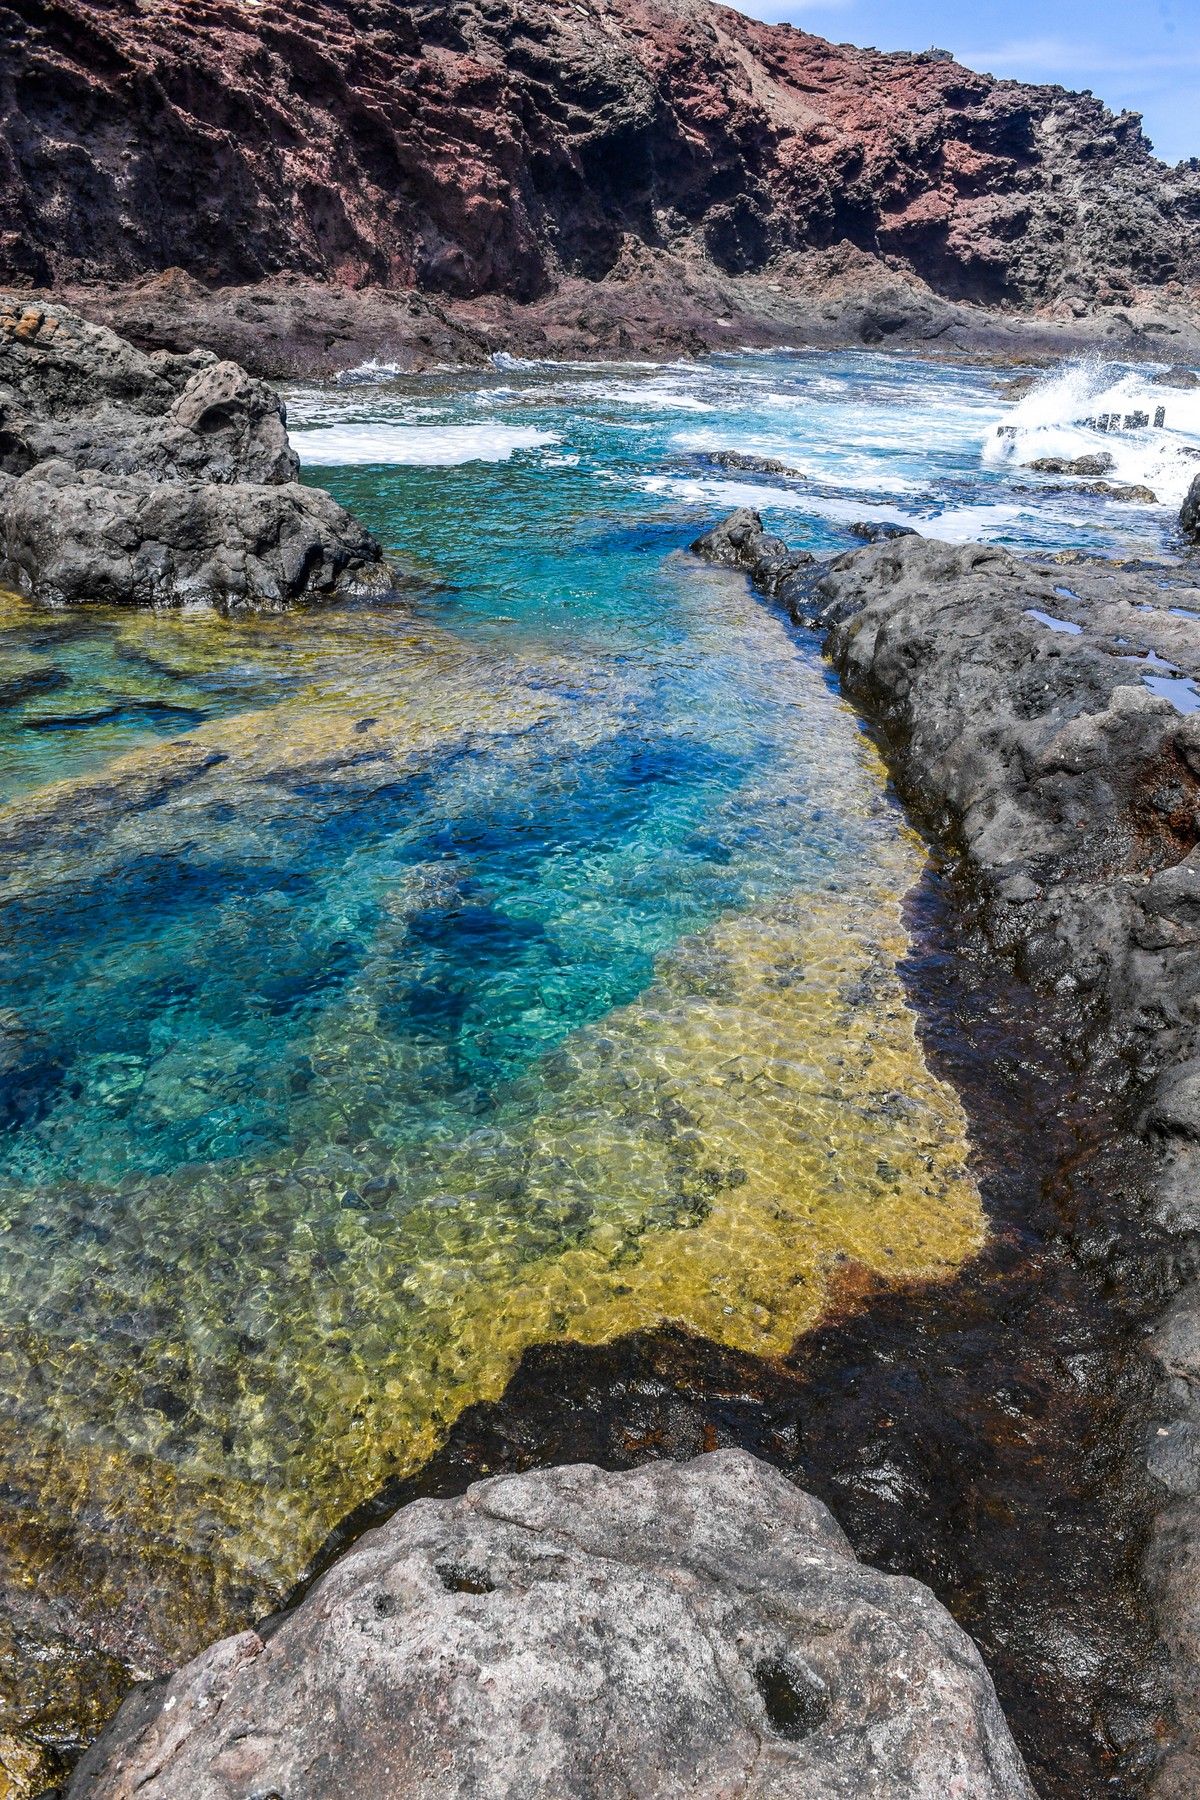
(753, 465)
(877, 531)
(1177, 377)
(134, 479)
(705, 1625)
(499, 148)
(1099, 464)
(741, 543)
(1048, 727)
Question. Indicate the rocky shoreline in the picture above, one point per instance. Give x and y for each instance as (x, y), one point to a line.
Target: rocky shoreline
(130, 479)
(1042, 722)
(291, 327)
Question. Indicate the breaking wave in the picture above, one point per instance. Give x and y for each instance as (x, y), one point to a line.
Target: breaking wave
(1150, 434)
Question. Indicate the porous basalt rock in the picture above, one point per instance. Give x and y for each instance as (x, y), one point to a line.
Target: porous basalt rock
(1078, 465)
(740, 542)
(752, 464)
(1041, 717)
(701, 1628)
(160, 479)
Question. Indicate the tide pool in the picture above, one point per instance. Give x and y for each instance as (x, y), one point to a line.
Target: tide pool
(386, 988)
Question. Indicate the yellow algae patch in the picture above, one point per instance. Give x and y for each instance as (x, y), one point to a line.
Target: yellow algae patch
(705, 1155)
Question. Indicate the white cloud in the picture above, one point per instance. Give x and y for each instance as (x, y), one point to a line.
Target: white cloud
(1057, 56)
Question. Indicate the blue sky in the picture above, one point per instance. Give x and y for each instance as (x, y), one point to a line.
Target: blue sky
(1139, 54)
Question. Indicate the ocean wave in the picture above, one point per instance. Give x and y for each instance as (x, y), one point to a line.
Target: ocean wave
(1060, 417)
(430, 446)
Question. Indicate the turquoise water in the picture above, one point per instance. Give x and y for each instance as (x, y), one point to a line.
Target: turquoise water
(383, 988)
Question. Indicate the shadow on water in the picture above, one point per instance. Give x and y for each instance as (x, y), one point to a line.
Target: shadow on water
(973, 1432)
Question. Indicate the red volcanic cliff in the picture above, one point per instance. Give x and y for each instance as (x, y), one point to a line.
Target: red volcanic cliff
(493, 146)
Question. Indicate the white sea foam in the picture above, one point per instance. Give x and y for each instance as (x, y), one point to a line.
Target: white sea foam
(431, 446)
(365, 372)
(1048, 422)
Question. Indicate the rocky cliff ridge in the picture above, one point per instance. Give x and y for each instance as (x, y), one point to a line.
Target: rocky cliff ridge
(489, 147)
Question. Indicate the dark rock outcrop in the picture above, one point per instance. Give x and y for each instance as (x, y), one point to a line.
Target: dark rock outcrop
(746, 461)
(134, 479)
(1177, 377)
(704, 1624)
(498, 148)
(1189, 512)
(1078, 465)
(1044, 719)
(739, 542)
(876, 531)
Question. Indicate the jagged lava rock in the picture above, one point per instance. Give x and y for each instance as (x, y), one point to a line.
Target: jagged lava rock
(1043, 718)
(159, 479)
(498, 147)
(700, 1628)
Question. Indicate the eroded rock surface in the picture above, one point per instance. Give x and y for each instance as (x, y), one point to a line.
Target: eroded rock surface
(1044, 717)
(496, 148)
(161, 479)
(699, 1629)
(1189, 513)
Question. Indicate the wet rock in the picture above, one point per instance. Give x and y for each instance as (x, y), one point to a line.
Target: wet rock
(1099, 464)
(706, 1624)
(755, 465)
(1013, 701)
(1177, 377)
(740, 542)
(1189, 512)
(878, 531)
(72, 537)
(1016, 387)
(161, 479)
(1135, 493)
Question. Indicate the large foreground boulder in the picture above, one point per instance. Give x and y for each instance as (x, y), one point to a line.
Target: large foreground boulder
(134, 479)
(700, 1629)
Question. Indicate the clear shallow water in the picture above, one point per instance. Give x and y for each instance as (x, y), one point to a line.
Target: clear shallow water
(385, 989)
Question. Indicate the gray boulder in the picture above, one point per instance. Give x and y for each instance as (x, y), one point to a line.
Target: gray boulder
(134, 479)
(70, 537)
(700, 1629)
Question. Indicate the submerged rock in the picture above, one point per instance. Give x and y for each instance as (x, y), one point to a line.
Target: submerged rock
(134, 479)
(704, 1624)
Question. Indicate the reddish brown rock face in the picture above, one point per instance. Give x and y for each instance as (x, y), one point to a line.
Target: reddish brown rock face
(490, 146)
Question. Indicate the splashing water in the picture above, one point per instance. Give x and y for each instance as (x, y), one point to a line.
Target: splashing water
(1052, 420)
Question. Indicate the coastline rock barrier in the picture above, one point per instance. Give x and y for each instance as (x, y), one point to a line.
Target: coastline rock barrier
(700, 1628)
(1042, 718)
(162, 479)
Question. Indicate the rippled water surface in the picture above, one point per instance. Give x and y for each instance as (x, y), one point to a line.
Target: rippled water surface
(385, 989)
